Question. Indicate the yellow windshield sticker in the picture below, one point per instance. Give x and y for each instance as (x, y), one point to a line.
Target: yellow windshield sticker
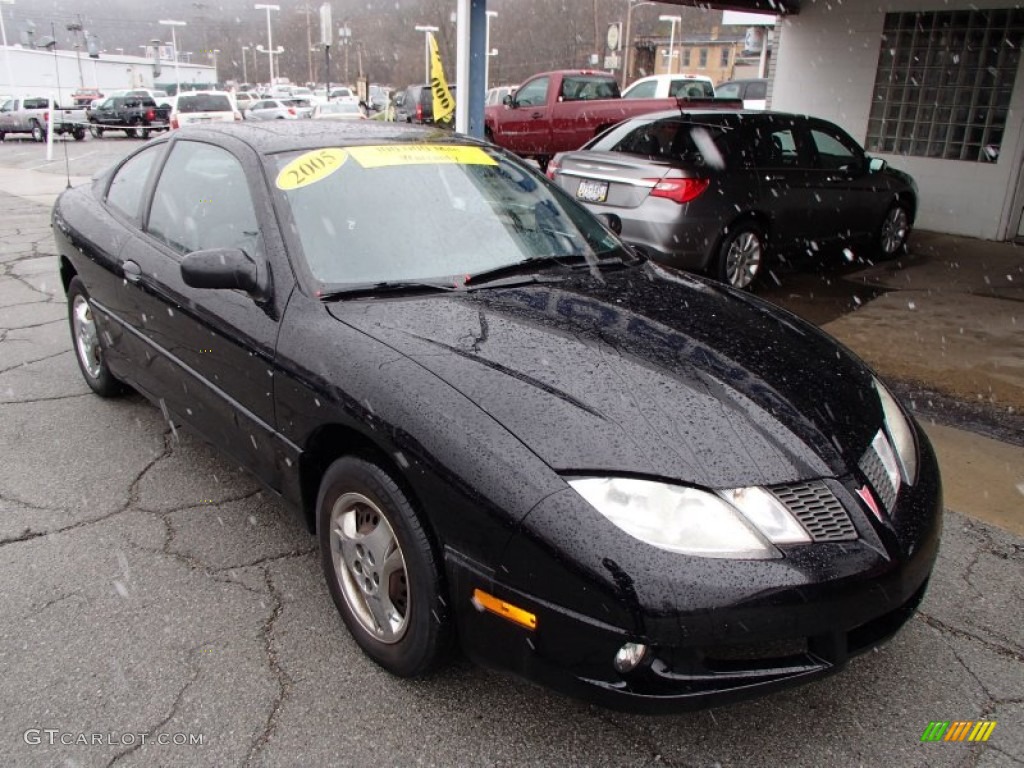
(311, 167)
(419, 154)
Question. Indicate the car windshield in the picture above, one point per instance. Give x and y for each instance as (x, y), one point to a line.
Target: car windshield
(417, 212)
(297, 102)
(204, 102)
(339, 107)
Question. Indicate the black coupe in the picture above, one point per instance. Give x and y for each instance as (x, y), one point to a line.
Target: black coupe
(504, 426)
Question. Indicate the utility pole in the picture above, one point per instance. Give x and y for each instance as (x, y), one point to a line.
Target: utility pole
(76, 27)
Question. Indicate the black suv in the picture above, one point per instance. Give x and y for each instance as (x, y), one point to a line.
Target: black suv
(416, 104)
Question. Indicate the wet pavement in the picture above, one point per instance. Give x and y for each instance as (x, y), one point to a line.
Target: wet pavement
(150, 587)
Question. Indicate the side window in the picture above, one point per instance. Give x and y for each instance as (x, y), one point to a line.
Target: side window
(128, 184)
(833, 154)
(643, 90)
(202, 201)
(730, 91)
(688, 89)
(8, 106)
(757, 91)
(534, 93)
(776, 147)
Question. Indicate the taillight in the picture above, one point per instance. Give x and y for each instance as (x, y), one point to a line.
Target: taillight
(291, 111)
(46, 117)
(150, 115)
(238, 116)
(419, 112)
(554, 166)
(679, 190)
(174, 122)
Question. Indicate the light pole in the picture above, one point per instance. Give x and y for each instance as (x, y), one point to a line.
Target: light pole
(174, 49)
(213, 55)
(344, 40)
(270, 54)
(426, 30)
(672, 38)
(487, 61)
(270, 40)
(245, 70)
(627, 44)
(7, 51)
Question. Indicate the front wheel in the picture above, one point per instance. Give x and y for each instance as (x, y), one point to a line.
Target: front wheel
(894, 231)
(381, 569)
(88, 346)
(37, 132)
(96, 131)
(741, 256)
(142, 133)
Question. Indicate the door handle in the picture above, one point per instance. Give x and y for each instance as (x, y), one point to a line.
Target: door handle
(132, 271)
(773, 177)
(537, 115)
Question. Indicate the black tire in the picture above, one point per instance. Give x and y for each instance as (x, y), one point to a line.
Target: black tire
(542, 161)
(96, 131)
(142, 133)
(367, 507)
(78, 133)
(742, 255)
(1, 135)
(38, 134)
(88, 348)
(894, 231)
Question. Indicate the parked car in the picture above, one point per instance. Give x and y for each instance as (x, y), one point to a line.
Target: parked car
(496, 95)
(338, 110)
(343, 93)
(32, 116)
(379, 96)
(83, 97)
(204, 107)
(244, 100)
(280, 109)
(722, 191)
(137, 116)
(635, 486)
(558, 111)
(753, 92)
(678, 85)
(416, 104)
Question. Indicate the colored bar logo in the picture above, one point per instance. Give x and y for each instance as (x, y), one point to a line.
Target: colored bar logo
(958, 730)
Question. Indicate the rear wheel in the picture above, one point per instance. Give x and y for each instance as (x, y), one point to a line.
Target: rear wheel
(37, 132)
(894, 231)
(96, 131)
(88, 344)
(742, 255)
(78, 133)
(1, 135)
(381, 570)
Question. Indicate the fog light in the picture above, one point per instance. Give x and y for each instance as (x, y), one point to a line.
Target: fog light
(629, 656)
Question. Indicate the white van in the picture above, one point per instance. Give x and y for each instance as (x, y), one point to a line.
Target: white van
(663, 86)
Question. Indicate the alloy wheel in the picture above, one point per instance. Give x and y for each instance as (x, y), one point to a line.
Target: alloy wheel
(87, 341)
(894, 230)
(743, 259)
(370, 567)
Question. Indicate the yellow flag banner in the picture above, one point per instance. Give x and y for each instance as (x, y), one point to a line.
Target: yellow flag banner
(444, 104)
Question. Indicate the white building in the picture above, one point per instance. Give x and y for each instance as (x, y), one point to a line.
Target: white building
(37, 72)
(931, 86)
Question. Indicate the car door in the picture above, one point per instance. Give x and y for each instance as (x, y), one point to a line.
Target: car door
(213, 350)
(103, 113)
(525, 126)
(784, 164)
(850, 201)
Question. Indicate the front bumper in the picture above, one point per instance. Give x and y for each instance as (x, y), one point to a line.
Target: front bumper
(717, 636)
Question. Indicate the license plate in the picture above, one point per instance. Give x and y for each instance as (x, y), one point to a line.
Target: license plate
(592, 191)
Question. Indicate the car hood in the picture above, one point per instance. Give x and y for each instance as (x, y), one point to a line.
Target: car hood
(642, 370)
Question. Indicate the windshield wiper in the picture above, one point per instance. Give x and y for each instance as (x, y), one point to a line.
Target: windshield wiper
(526, 266)
(360, 290)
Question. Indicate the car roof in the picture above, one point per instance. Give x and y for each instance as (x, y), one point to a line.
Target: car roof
(673, 76)
(272, 136)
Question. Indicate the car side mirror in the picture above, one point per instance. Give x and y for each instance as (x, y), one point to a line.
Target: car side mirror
(223, 268)
(876, 164)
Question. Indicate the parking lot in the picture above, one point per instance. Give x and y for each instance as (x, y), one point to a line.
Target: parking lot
(155, 593)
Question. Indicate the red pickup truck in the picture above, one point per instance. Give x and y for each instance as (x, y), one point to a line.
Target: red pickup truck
(558, 111)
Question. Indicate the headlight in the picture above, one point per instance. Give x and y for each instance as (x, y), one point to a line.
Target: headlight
(900, 433)
(675, 518)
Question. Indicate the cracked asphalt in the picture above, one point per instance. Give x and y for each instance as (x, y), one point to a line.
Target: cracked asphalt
(147, 586)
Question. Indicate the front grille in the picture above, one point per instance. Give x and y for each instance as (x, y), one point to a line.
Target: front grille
(874, 470)
(818, 510)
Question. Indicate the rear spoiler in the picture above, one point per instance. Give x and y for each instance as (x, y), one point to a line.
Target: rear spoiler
(685, 102)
